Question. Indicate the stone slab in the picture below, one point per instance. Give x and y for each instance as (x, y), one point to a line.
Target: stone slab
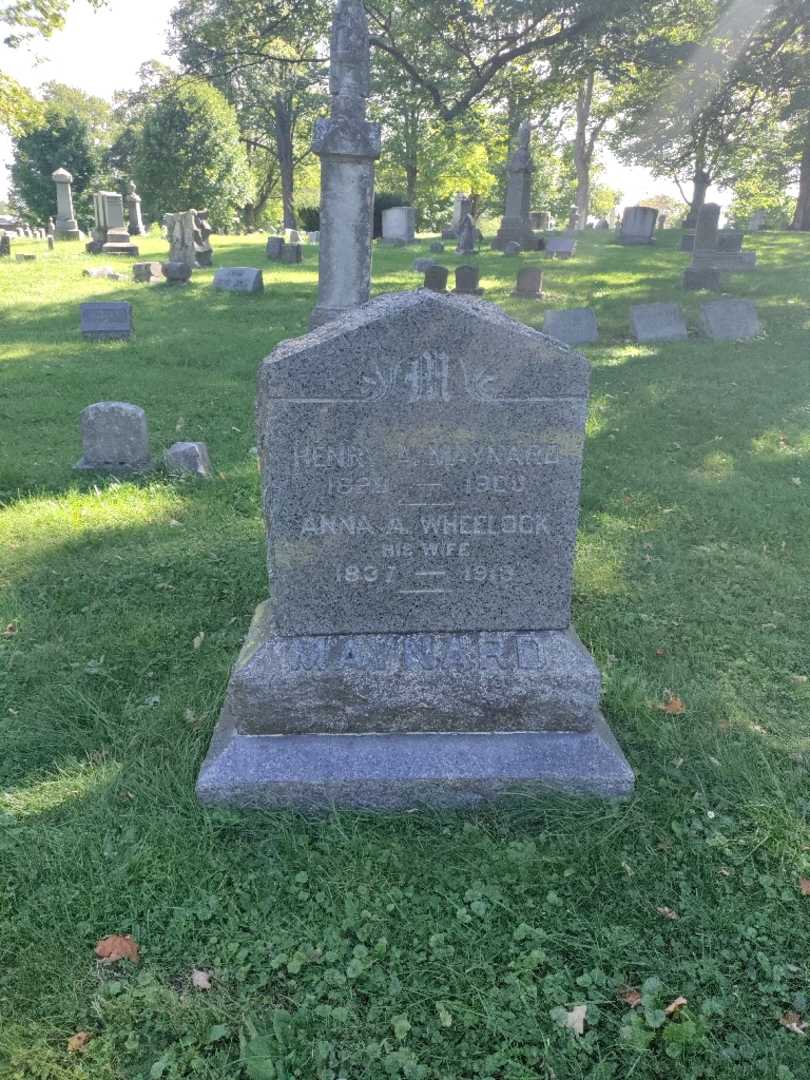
(729, 261)
(354, 684)
(189, 458)
(658, 322)
(400, 771)
(115, 438)
(127, 250)
(730, 320)
(573, 326)
(106, 320)
(562, 247)
(241, 279)
(421, 464)
(695, 279)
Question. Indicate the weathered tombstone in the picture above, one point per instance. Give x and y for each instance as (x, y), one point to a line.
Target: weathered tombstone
(186, 242)
(574, 326)
(638, 225)
(730, 320)
(203, 252)
(529, 283)
(50, 243)
(757, 221)
(467, 239)
(147, 272)
(292, 253)
(688, 242)
(515, 224)
(104, 272)
(51, 230)
(176, 273)
(449, 234)
(347, 145)
(563, 246)
(136, 225)
(730, 240)
(436, 246)
(189, 458)
(436, 278)
(702, 278)
(314, 237)
(115, 438)
(708, 254)
(421, 464)
(462, 205)
(399, 225)
(421, 265)
(512, 247)
(66, 227)
(25, 257)
(110, 234)
(467, 281)
(5, 245)
(274, 248)
(292, 236)
(658, 322)
(243, 279)
(106, 320)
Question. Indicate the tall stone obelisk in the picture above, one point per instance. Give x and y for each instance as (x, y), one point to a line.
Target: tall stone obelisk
(347, 145)
(515, 224)
(66, 227)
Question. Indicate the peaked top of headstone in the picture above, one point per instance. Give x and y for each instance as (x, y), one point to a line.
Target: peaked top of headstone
(349, 51)
(355, 348)
(62, 174)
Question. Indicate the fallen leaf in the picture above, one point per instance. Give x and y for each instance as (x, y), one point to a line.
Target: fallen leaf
(631, 997)
(673, 1006)
(575, 1019)
(804, 886)
(793, 1022)
(672, 704)
(660, 652)
(628, 869)
(797, 480)
(10, 630)
(77, 1043)
(199, 639)
(117, 947)
(667, 913)
(200, 980)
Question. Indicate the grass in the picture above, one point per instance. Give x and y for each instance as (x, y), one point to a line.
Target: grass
(422, 945)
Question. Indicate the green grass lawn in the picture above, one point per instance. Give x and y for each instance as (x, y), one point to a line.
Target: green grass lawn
(431, 945)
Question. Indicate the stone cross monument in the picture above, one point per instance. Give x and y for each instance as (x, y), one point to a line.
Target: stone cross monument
(420, 461)
(66, 225)
(136, 225)
(515, 224)
(347, 145)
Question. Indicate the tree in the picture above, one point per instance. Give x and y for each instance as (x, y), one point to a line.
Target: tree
(74, 132)
(189, 154)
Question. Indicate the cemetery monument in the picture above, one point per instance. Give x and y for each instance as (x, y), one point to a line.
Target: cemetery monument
(66, 227)
(515, 224)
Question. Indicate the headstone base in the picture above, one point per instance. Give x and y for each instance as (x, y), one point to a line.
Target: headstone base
(130, 250)
(387, 720)
(68, 234)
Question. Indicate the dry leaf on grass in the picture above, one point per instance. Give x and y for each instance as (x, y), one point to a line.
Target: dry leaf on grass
(672, 704)
(804, 886)
(667, 913)
(77, 1043)
(631, 997)
(10, 630)
(200, 980)
(575, 1020)
(793, 1022)
(673, 1006)
(117, 947)
(660, 652)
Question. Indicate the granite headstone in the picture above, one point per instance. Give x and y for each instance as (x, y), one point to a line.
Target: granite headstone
(243, 279)
(730, 320)
(658, 322)
(436, 278)
(106, 319)
(574, 326)
(115, 438)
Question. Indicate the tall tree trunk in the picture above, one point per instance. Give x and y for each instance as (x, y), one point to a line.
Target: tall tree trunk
(284, 148)
(583, 150)
(801, 219)
(702, 180)
(411, 173)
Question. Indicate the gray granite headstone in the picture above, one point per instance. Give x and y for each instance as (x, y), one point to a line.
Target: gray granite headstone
(574, 326)
(421, 462)
(421, 265)
(658, 322)
(436, 278)
(695, 279)
(245, 279)
(176, 272)
(24, 257)
(115, 438)
(188, 457)
(730, 240)
(512, 247)
(103, 320)
(638, 225)
(5, 245)
(467, 280)
(730, 320)
(561, 247)
(147, 272)
(275, 246)
(529, 283)
(292, 253)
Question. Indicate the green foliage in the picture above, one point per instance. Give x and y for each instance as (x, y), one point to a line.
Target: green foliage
(757, 192)
(19, 109)
(189, 154)
(309, 217)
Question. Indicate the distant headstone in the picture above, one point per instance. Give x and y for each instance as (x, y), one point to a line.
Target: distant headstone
(188, 457)
(243, 279)
(5, 245)
(136, 225)
(563, 246)
(292, 236)
(658, 322)
(449, 234)
(702, 278)
(467, 280)
(421, 265)
(730, 240)
(436, 278)
(574, 326)
(399, 225)
(105, 320)
(292, 253)
(147, 272)
(539, 219)
(105, 272)
(529, 283)
(757, 221)
(512, 247)
(314, 237)
(274, 248)
(462, 205)
(638, 225)
(467, 236)
(51, 230)
(436, 246)
(188, 233)
(515, 223)
(20, 257)
(421, 462)
(176, 273)
(50, 243)
(115, 438)
(730, 320)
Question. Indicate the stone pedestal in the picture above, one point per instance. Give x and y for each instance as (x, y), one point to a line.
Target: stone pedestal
(66, 227)
(515, 224)
(421, 461)
(136, 225)
(347, 145)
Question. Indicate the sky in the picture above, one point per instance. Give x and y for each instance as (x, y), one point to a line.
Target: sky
(101, 51)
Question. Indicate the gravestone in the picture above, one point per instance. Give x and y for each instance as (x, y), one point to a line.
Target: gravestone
(436, 246)
(688, 242)
(292, 253)
(176, 273)
(421, 265)
(515, 223)
(203, 252)
(730, 240)
(51, 230)
(462, 205)
(25, 257)
(529, 283)
(703, 278)
(5, 245)
(243, 279)
(106, 320)
(757, 221)
(436, 278)
(292, 236)
(638, 225)
(707, 253)
(136, 225)
(658, 322)
(540, 219)
(399, 225)
(102, 272)
(421, 462)
(274, 248)
(66, 227)
(115, 438)
(188, 457)
(467, 236)
(661, 224)
(563, 246)
(512, 247)
(467, 281)
(147, 272)
(574, 326)
(730, 320)
(50, 243)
